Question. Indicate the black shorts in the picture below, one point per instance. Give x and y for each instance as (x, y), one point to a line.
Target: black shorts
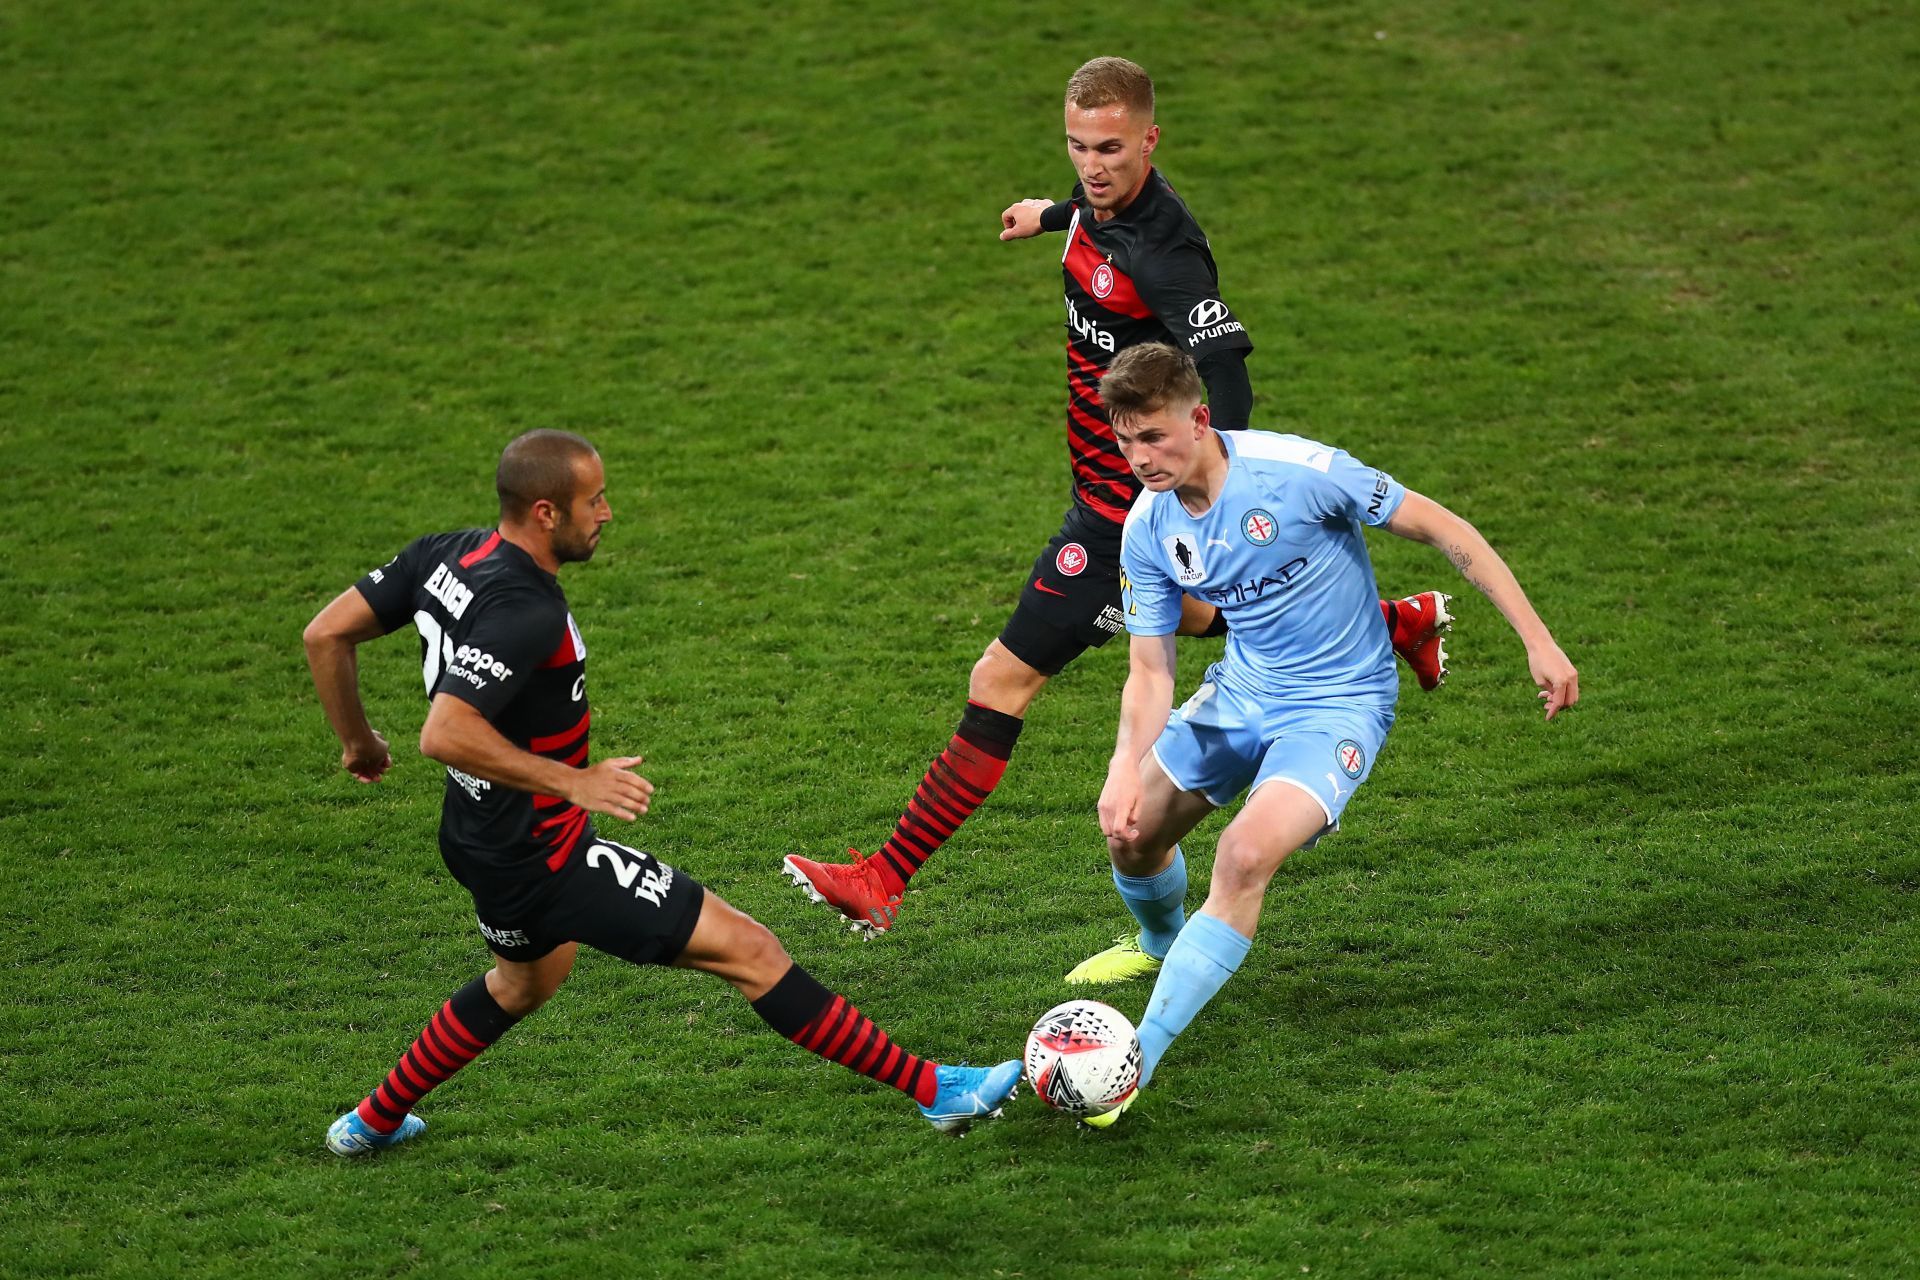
(613, 898)
(1071, 602)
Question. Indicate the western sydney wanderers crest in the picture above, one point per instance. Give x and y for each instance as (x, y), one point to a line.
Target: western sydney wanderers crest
(1183, 549)
(1103, 280)
(1259, 527)
(1072, 560)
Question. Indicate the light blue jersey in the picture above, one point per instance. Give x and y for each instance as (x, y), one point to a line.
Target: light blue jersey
(1304, 697)
(1281, 553)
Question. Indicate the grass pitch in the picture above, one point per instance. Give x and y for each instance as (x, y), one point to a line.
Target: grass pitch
(1629, 285)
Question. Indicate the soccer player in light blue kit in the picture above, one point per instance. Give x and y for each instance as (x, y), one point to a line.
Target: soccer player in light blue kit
(1268, 528)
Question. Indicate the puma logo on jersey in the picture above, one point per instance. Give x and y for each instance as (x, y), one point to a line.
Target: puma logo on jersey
(449, 590)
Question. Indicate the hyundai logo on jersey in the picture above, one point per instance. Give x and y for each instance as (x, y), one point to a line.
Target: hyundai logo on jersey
(1212, 311)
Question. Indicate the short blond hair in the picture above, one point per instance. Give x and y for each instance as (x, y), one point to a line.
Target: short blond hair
(1146, 379)
(1103, 82)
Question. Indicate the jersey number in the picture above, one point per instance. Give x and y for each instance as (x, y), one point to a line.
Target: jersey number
(649, 882)
(435, 648)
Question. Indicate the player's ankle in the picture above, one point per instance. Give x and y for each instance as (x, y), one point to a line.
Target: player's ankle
(890, 873)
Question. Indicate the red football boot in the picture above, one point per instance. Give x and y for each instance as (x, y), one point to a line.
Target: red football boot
(1418, 626)
(854, 890)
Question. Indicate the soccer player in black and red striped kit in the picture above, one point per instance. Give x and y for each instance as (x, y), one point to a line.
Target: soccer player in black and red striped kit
(505, 668)
(1137, 269)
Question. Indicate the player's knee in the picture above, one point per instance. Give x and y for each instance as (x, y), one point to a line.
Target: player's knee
(1003, 682)
(763, 953)
(984, 681)
(1242, 866)
(520, 993)
(750, 957)
(1133, 858)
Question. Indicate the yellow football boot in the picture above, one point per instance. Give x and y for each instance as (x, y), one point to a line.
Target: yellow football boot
(1121, 962)
(1106, 1119)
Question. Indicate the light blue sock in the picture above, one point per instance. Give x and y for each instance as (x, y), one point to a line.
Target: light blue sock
(1198, 964)
(1158, 902)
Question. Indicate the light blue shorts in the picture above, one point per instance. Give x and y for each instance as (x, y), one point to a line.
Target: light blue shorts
(1223, 738)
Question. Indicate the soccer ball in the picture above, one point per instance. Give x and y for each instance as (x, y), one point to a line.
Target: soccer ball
(1083, 1058)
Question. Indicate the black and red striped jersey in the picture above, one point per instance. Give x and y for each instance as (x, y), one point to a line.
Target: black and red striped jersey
(1144, 275)
(496, 633)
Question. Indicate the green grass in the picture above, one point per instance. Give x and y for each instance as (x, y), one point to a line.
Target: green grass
(1630, 285)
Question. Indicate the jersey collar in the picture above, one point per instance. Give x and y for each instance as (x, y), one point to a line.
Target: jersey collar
(520, 553)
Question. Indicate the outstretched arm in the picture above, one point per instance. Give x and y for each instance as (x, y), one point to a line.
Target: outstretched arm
(1421, 519)
(1024, 218)
(332, 640)
(1144, 704)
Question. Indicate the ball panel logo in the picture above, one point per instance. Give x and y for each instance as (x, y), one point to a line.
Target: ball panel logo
(1259, 527)
(1352, 759)
(1072, 560)
(1102, 280)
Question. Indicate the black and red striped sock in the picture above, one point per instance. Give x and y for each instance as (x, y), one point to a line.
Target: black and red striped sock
(814, 1018)
(1390, 613)
(465, 1026)
(955, 784)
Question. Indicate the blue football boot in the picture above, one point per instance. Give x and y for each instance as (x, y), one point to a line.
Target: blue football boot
(351, 1136)
(966, 1094)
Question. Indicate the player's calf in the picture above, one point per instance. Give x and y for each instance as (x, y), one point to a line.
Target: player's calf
(1206, 954)
(951, 1097)
(466, 1025)
(520, 987)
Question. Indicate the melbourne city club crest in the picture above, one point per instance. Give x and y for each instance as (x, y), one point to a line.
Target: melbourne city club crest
(1352, 759)
(1258, 526)
(1185, 553)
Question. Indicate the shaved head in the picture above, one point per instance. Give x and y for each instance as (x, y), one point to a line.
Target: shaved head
(540, 465)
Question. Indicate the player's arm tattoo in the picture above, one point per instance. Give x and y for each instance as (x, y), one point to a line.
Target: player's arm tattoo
(1463, 561)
